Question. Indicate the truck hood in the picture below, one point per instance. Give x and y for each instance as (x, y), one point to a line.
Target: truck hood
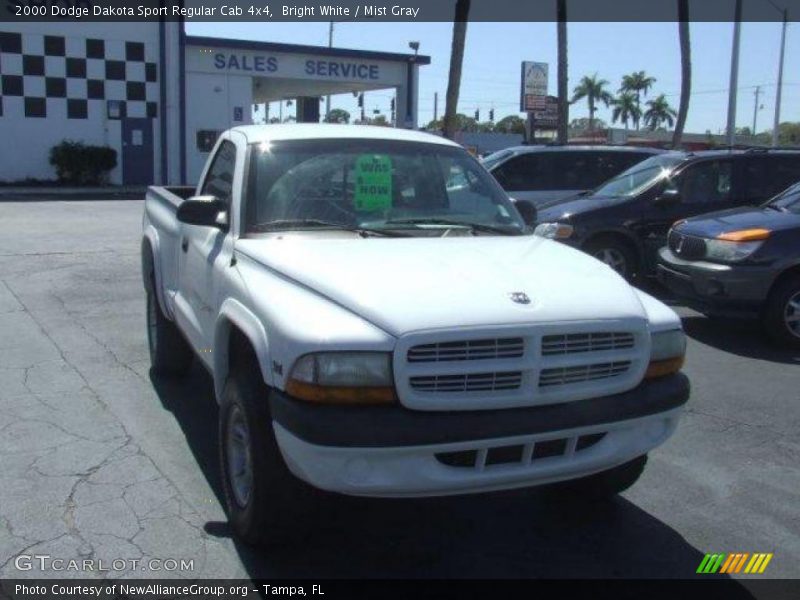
(413, 284)
(714, 224)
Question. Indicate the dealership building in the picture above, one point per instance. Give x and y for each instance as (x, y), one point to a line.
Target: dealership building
(160, 97)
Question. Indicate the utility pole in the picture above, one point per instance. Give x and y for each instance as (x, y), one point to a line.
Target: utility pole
(757, 93)
(734, 83)
(328, 97)
(435, 106)
(776, 123)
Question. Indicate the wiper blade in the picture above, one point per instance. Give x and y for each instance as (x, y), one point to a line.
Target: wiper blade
(465, 224)
(288, 224)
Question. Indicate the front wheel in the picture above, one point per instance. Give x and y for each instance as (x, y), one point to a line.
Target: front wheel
(615, 254)
(782, 313)
(266, 503)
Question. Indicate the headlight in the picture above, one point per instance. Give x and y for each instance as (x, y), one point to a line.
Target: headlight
(343, 378)
(667, 351)
(726, 251)
(554, 231)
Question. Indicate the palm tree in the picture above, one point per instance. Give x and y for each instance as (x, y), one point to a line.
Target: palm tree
(456, 61)
(659, 112)
(626, 108)
(686, 70)
(639, 84)
(563, 79)
(593, 89)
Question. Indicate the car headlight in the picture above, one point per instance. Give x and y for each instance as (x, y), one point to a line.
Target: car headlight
(343, 378)
(734, 246)
(667, 351)
(554, 231)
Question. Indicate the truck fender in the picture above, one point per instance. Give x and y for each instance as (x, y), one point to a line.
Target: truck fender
(232, 314)
(150, 263)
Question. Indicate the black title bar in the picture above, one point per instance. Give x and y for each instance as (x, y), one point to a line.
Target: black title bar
(391, 10)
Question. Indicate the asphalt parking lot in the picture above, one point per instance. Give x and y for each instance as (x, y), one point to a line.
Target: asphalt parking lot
(99, 460)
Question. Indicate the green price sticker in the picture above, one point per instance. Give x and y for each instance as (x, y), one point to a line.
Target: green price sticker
(373, 183)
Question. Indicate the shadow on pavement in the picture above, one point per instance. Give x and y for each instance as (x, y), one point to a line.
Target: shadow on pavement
(513, 535)
(738, 336)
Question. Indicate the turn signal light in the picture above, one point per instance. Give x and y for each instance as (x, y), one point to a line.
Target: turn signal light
(745, 235)
(661, 368)
(322, 394)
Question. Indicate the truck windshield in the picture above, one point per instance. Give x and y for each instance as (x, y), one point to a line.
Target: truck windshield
(639, 177)
(373, 185)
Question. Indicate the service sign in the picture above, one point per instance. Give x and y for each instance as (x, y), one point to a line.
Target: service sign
(534, 84)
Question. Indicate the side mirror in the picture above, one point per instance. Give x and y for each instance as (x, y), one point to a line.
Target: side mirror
(527, 211)
(669, 197)
(207, 211)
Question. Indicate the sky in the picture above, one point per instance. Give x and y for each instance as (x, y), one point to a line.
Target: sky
(494, 52)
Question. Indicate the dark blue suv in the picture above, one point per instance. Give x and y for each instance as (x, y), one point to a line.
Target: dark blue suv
(742, 261)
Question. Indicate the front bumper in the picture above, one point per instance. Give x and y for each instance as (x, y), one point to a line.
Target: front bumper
(396, 452)
(736, 290)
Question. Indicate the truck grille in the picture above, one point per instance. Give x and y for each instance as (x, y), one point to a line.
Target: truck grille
(686, 246)
(582, 373)
(573, 343)
(467, 350)
(472, 382)
(519, 454)
(538, 364)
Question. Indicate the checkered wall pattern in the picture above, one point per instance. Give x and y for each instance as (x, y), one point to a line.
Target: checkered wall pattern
(50, 75)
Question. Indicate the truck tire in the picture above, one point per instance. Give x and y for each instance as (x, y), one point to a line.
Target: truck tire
(606, 483)
(615, 253)
(169, 352)
(781, 316)
(266, 503)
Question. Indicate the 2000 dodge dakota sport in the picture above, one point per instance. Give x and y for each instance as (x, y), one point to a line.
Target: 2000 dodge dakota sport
(379, 320)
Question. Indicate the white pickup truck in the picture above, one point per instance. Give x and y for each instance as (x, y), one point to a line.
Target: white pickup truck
(380, 321)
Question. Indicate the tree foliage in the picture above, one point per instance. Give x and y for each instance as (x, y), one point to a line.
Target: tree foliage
(338, 115)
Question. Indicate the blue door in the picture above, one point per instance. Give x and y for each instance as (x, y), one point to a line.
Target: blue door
(137, 151)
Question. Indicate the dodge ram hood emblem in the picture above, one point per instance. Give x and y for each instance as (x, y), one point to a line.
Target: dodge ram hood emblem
(519, 297)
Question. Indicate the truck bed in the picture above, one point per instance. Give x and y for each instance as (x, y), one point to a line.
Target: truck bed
(173, 194)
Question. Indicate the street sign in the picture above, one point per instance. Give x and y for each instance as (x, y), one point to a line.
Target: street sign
(532, 103)
(533, 85)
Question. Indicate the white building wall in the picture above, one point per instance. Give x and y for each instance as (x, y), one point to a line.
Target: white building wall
(211, 100)
(27, 140)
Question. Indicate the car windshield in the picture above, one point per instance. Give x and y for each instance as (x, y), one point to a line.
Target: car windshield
(378, 186)
(640, 176)
(495, 157)
(788, 201)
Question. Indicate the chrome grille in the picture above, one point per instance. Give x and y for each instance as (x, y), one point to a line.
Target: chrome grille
(468, 382)
(467, 350)
(578, 374)
(574, 343)
(686, 246)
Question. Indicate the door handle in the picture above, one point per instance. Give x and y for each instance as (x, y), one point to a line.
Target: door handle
(185, 244)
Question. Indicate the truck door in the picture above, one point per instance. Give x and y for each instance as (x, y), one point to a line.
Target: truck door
(204, 254)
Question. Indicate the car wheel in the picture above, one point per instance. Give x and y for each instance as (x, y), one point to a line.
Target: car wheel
(266, 503)
(169, 352)
(615, 254)
(782, 313)
(606, 483)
